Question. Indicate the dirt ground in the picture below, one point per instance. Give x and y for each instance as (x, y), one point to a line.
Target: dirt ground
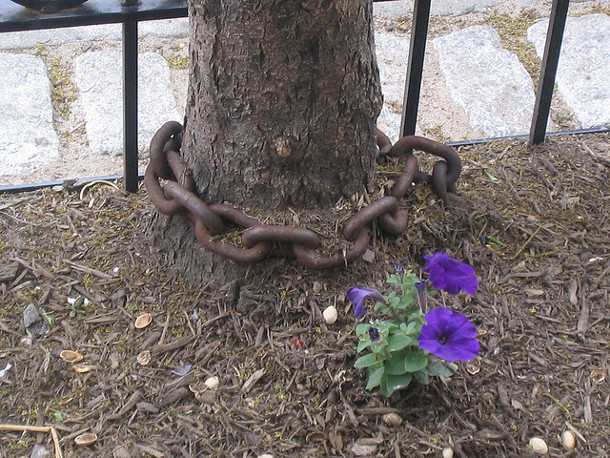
(533, 222)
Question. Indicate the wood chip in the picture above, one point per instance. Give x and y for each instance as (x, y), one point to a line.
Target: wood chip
(89, 270)
(8, 272)
(131, 402)
(151, 450)
(368, 256)
(175, 345)
(336, 441)
(147, 407)
(255, 377)
(572, 288)
(364, 450)
(583, 318)
(173, 396)
(490, 435)
(503, 395)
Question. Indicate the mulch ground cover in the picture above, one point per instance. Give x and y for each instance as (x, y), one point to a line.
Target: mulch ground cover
(77, 271)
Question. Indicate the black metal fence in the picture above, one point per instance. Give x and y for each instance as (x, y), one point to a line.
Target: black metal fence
(14, 17)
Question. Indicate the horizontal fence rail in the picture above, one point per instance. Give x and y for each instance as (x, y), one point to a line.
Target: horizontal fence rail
(14, 17)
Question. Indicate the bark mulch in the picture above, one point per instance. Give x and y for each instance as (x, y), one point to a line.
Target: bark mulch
(77, 266)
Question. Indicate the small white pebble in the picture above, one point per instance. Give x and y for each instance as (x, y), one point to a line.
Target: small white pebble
(447, 452)
(265, 455)
(364, 450)
(569, 440)
(330, 314)
(538, 445)
(392, 419)
(212, 383)
(6, 369)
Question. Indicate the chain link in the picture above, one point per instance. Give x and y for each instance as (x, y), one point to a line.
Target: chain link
(445, 174)
(259, 240)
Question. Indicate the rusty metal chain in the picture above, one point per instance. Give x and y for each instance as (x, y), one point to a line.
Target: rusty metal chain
(445, 174)
(260, 240)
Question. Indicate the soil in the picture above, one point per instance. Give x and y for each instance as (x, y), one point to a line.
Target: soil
(534, 222)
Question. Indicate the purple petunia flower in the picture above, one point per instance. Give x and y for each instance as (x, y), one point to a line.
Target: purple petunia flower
(449, 335)
(357, 296)
(374, 334)
(450, 275)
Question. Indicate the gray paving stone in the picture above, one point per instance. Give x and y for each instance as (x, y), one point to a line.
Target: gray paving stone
(99, 80)
(167, 28)
(584, 66)
(28, 137)
(487, 81)
(397, 9)
(392, 58)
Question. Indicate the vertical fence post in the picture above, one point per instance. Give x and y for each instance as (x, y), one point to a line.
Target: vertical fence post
(130, 101)
(544, 95)
(419, 33)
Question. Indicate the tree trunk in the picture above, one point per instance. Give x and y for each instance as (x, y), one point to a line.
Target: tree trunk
(283, 99)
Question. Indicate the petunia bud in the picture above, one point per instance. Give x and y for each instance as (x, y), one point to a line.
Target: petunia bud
(374, 334)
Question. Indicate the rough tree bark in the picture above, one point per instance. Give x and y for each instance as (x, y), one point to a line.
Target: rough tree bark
(283, 99)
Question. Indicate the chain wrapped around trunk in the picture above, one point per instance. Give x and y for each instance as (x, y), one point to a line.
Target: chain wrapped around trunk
(259, 240)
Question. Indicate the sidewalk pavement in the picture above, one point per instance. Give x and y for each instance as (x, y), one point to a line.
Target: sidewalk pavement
(474, 87)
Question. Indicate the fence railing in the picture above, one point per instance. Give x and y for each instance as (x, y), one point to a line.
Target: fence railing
(14, 17)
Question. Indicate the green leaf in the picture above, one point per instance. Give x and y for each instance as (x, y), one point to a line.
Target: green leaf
(363, 344)
(364, 340)
(396, 364)
(391, 383)
(386, 326)
(414, 315)
(413, 328)
(415, 361)
(490, 176)
(367, 360)
(362, 329)
(404, 302)
(48, 316)
(494, 242)
(438, 367)
(398, 342)
(375, 378)
(381, 307)
(394, 280)
(422, 378)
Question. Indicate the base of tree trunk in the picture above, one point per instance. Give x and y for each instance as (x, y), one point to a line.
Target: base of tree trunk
(175, 236)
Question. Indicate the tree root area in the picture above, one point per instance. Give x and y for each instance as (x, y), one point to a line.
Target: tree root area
(534, 223)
